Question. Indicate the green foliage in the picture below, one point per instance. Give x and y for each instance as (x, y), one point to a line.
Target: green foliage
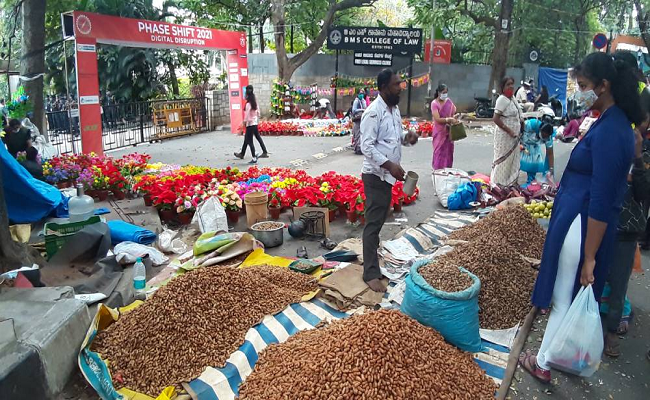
(184, 88)
(19, 105)
(561, 29)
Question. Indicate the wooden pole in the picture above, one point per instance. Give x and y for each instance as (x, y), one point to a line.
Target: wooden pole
(408, 104)
(336, 75)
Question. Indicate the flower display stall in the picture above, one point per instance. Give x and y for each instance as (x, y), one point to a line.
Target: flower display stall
(176, 191)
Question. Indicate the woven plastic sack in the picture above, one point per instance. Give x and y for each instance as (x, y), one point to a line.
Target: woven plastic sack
(578, 344)
(446, 181)
(454, 315)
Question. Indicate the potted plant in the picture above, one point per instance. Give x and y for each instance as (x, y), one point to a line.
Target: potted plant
(326, 200)
(100, 184)
(164, 200)
(185, 208)
(144, 185)
(360, 207)
(118, 185)
(351, 212)
(275, 204)
(232, 203)
(398, 196)
(56, 175)
(165, 212)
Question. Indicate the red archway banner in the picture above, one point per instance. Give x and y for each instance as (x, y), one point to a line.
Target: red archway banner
(91, 28)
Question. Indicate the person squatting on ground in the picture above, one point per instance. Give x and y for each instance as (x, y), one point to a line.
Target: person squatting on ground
(381, 144)
(537, 135)
(581, 238)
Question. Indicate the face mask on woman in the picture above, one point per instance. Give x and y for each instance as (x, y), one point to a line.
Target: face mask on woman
(586, 99)
(360, 96)
(508, 92)
(444, 96)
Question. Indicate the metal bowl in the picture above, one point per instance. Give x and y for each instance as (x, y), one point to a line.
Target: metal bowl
(269, 237)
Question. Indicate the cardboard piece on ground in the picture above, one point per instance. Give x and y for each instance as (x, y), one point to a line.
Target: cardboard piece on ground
(345, 288)
(352, 244)
(298, 211)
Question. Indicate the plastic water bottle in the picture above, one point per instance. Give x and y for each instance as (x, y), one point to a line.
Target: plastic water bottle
(139, 276)
(81, 207)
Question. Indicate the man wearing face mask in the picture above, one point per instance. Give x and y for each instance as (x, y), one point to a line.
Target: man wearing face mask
(358, 107)
(381, 143)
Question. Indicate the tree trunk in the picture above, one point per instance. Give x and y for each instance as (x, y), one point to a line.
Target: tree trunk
(577, 51)
(173, 78)
(643, 18)
(502, 35)
(262, 37)
(33, 61)
(287, 66)
(13, 255)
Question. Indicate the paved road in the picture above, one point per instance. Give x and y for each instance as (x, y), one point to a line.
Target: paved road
(626, 378)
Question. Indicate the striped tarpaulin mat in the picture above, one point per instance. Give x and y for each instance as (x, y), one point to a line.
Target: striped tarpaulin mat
(223, 383)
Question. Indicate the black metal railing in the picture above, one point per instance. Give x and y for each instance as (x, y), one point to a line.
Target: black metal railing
(123, 125)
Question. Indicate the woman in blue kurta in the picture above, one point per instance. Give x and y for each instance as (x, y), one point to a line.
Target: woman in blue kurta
(582, 231)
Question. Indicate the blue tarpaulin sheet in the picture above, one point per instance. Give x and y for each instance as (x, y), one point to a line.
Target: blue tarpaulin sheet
(28, 199)
(555, 81)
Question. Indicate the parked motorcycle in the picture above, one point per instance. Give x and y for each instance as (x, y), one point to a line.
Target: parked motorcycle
(485, 106)
(554, 108)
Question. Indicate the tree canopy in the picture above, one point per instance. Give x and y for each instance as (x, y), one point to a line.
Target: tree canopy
(561, 30)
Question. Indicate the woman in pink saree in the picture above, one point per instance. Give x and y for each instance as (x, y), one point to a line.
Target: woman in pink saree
(442, 110)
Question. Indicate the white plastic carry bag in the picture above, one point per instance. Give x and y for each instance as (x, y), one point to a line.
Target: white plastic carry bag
(578, 344)
(446, 181)
(211, 217)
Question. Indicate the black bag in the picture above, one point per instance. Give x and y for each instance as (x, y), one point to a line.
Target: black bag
(633, 217)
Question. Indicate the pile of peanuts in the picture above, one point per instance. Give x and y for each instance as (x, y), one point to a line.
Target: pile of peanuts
(513, 225)
(445, 277)
(197, 320)
(506, 280)
(378, 355)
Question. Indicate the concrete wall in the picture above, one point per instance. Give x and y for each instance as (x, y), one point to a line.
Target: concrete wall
(464, 81)
(218, 103)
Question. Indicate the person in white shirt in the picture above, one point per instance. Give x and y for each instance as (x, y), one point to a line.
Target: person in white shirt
(382, 138)
(522, 97)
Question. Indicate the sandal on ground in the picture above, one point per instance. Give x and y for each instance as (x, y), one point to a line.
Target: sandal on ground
(328, 244)
(528, 361)
(612, 348)
(302, 252)
(239, 155)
